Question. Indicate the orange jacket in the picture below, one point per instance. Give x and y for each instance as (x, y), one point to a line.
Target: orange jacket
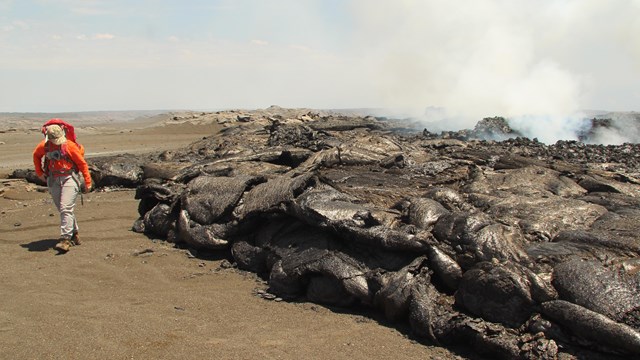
(74, 159)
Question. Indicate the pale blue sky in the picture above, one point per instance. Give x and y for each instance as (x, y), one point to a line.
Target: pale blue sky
(476, 58)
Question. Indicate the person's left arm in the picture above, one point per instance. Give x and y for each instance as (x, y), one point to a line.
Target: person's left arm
(81, 163)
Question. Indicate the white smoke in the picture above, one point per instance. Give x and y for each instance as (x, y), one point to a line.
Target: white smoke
(537, 64)
(549, 129)
(625, 128)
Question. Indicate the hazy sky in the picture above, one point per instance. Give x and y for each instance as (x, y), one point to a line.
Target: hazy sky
(475, 58)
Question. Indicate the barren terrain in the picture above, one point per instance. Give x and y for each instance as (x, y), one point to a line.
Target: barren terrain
(122, 295)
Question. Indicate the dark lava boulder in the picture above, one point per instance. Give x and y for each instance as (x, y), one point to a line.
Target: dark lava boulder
(119, 170)
(476, 238)
(158, 221)
(494, 128)
(505, 292)
(612, 290)
(208, 198)
(593, 326)
(394, 297)
(27, 174)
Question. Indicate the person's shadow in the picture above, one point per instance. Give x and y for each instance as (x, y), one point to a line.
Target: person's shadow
(40, 245)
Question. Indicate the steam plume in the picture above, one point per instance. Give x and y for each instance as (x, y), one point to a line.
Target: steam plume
(531, 62)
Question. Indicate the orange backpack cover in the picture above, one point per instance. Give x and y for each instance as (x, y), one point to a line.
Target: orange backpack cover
(69, 131)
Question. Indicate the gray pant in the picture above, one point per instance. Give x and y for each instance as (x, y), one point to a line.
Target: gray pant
(64, 191)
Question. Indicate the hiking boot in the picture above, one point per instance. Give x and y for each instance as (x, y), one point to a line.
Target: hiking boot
(75, 239)
(63, 245)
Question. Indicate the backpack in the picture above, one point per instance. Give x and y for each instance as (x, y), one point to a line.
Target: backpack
(69, 131)
(55, 153)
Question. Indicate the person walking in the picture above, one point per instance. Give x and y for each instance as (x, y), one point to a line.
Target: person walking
(57, 162)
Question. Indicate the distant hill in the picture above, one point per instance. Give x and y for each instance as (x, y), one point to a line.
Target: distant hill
(16, 120)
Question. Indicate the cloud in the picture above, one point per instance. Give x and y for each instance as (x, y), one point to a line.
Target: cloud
(5, 4)
(104, 36)
(98, 37)
(89, 11)
(259, 42)
(15, 25)
(89, 7)
(301, 48)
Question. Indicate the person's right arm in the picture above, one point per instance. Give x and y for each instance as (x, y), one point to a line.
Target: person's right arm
(38, 153)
